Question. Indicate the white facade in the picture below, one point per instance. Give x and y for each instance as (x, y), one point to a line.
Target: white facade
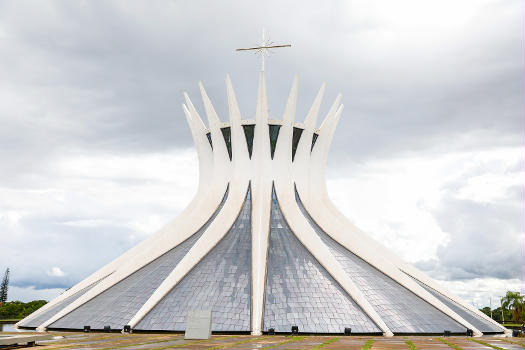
(262, 246)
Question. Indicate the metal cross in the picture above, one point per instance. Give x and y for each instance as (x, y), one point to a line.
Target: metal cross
(264, 48)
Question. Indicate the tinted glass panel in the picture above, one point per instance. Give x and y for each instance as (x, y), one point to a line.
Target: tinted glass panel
(314, 138)
(295, 141)
(208, 135)
(226, 133)
(248, 133)
(274, 134)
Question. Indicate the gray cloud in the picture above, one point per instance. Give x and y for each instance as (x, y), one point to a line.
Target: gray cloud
(487, 236)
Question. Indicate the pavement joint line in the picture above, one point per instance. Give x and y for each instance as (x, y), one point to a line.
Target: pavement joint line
(233, 344)
(453, 346)
(292, 340)
(330, 341)
(184, 344)
(514, 342)
(74, 343)
(486, 344)
(368, 344)
(143, 343)
(71, 340)
(117, 341)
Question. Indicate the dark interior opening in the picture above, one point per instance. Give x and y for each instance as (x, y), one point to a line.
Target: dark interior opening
(227, 134)
(274, 134)
(248, 133)
(295, 140)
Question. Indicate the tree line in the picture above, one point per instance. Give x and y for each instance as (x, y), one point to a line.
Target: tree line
(512, 309)
(16, 310)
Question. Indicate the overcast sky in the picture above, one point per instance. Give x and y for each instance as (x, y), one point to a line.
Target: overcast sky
(95, 154)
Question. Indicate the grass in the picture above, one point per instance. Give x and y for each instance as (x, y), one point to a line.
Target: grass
(330, 341)
(11, 320)
(486, 344)
(453, 346)
(368, 344)
(411, 345)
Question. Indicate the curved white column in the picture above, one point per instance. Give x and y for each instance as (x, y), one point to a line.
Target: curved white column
(261, 203)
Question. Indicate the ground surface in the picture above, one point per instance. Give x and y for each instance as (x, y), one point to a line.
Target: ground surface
(137, 341)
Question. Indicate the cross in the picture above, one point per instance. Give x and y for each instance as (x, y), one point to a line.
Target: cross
(264, 48)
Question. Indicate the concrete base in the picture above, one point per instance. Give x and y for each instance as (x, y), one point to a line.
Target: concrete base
(28, 339)
(198, 324)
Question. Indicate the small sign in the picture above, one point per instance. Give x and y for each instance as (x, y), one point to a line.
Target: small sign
(198, 325)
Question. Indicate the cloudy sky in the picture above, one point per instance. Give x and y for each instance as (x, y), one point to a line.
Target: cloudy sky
(95, 154)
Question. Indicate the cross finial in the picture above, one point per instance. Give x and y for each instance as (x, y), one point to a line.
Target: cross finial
(264, 48)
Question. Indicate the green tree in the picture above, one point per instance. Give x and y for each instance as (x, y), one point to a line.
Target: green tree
(486, 310)
(4, 287)
(513, 301)
(19, 310)
(496, 314)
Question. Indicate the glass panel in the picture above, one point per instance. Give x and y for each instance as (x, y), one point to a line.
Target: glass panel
(226, 133)
(295, 140)
(248, 133)
(208, 135)
(300, 292)
(400, 309)
(314, 138)
(117, 305)
(220, 282)
(274, 134)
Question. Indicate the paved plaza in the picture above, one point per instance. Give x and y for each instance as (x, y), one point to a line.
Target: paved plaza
(136, 341)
